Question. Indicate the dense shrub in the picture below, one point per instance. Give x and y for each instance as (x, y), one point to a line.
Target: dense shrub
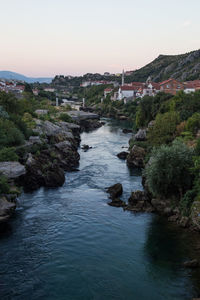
(65, 118)
(197, 148)
(164, 129)
(4, 187)
(8, 154)
(186, 202)
(168, 172)
(9, 134)
(193, 123)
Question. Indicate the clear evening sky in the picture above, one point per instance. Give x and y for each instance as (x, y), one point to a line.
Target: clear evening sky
(48, 37)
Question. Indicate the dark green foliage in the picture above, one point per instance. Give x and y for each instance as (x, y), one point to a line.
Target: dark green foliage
(186, 104)
(3, 113)
(150, 106)
(193, 123)
(4, 186)
(65, 118)
(197, 148)
(8, 154)
(28, 88)
(186, 202)
(9, 134)
(163, 131)
(168, 172)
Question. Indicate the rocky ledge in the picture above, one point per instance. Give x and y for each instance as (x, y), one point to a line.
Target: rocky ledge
(86, 120)
(57, 152)
(136, 157)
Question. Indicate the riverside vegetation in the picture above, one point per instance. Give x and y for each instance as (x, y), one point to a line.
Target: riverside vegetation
(38, 143)
(166, 147)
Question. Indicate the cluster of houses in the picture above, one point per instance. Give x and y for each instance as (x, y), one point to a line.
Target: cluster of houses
(135, 90)
(18, 87)
(11, 86)
(97, 82)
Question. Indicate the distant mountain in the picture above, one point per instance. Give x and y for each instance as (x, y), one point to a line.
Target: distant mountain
(16, 76)
(182, 67)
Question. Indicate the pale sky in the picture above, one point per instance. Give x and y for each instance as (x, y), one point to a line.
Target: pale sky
(49, 37)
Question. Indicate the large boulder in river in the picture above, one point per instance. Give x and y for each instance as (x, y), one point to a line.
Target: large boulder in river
(125, 130)
(139, 201)
(136, 157)
(12, 169)
(122, 155)
(115, 190)
(140, 135)
(116, 202)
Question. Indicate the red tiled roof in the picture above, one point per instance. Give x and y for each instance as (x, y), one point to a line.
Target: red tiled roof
(156, 85)
(127, 88)
(166, 81)
(108, 90)
(169, 80)
(192, 84)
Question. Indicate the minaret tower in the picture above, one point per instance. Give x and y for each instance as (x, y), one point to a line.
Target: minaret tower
(123, 78)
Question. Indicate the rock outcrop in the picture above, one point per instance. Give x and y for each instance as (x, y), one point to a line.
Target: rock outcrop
(115, 192)
(140, 135)
(6, 209)
(139, 202)
(136, 157)
(12, 169)
(60, 153)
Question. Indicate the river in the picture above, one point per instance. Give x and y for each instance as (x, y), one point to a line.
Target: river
(67, 243)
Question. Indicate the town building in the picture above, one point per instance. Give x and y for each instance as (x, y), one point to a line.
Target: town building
(191, 86)
(107, 91)
(171, 86)
(49, 89)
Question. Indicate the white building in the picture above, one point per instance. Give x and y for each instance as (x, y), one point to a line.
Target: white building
(126, 91)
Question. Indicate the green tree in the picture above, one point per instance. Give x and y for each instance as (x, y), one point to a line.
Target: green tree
(168, 172)
(163, 131)
(193, 123)
(8, 154)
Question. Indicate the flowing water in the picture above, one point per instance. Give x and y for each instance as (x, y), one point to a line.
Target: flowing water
(67, 243)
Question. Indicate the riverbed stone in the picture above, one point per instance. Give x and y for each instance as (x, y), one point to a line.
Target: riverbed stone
(122, 155)
(140, 135)
(191, 264)
(115, 190)
(136, 157)
(6, 209)
(116, 202)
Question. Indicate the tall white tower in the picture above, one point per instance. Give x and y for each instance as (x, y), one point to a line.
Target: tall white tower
(57, 103)
(122, 77)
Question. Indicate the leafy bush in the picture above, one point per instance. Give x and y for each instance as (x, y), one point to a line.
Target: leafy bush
(163, 131)
(3, 113)
(8, 154)
(65, 118)
(9, 134)
(186, 202)
(193, 123)
(197, 148)
(4, 186)
(168, 172)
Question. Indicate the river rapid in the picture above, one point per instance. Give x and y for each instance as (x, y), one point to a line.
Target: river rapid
(67, 243)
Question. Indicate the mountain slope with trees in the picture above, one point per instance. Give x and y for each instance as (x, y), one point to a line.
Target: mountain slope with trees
(182, 67)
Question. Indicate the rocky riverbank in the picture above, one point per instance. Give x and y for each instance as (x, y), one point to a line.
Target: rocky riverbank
(43, 159)
(144, 201)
